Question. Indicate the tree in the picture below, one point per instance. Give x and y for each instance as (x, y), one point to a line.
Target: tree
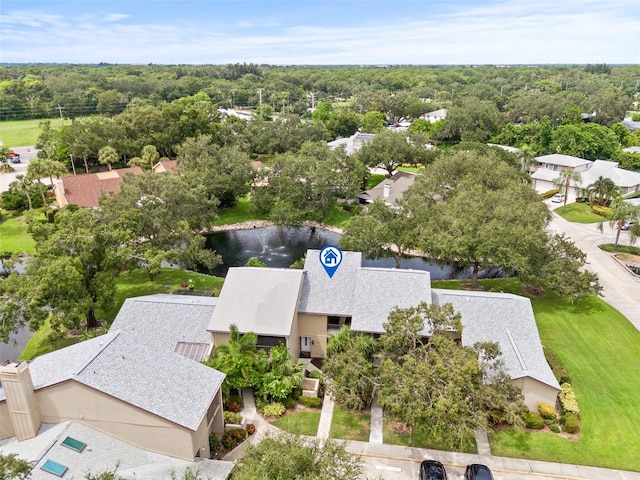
(35, 171)
(391, 150)
(476, 211)
(285, 456)
(567, 176)
(528, 156)
(621, 212)
(24, 182)
(343, 124)
(264, 112)
(373, 122)
(282, 376)
(108, 155)
(239, 360)
(379, 230)
(53, 168)
(14, 468)
(602, 191)
(149, 155)
(255, 262)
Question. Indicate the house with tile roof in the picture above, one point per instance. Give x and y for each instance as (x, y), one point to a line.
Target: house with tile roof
(303, 308)
(85, 190)
(117, 384)
(166, 166)
(550, 167)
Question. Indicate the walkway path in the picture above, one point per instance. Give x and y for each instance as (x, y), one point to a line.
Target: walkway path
(375, 430)
(326, 415)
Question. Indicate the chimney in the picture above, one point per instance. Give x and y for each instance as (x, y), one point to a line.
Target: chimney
(21, 399)
(386, 190)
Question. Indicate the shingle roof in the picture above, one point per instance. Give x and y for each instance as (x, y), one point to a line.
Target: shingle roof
(399, 182)
(103, 452)
(163, 320)
(85, 190)
(122, 366)
(379, 290)
(603, 168)
(259, 300)
(324, 295)
(563, 160)
(504, 318)
(169, 166)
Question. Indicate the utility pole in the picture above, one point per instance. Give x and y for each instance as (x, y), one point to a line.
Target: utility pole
(233, 99)
(260, 94)
(73, 167)
(313, 101)
(60, 110)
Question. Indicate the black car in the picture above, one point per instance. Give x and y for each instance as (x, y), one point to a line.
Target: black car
(432, 470)
(475, 471)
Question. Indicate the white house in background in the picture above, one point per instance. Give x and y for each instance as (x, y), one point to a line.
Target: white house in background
(631, 149)
(352, 144)
(550, 167)
(435, 116)
(390, 189)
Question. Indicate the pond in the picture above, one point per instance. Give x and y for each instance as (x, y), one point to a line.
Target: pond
(280, 247)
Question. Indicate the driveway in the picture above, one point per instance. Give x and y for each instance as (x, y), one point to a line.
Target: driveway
(26, 154)
(621, 289)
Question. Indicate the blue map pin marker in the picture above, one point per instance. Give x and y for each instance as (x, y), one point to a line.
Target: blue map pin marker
(330, 258)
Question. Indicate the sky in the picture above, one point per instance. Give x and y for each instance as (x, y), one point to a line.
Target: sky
(320, 32)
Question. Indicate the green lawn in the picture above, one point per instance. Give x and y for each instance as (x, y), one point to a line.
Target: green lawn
(418, 438)
(14, 237)
(239, 213)
(299, 423)
(410, 169)
(579, 213)
(130, 284)
(22, 133)
(347, 425)
(601, 350)
(375, 179)
(338, 217)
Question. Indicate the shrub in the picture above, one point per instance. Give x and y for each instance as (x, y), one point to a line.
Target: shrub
(232, 438)
(251, 429)
(601, 210)
(215, 443)
(635, 117)
(548, 194)
(289, 402)
(274, 409)
(568, 400)
(571, 424)
(232, 406)
(311, 402)
(554, 427)
(232, 417)
(547, 411)
(260, 403)
(557, 366)
(534, 421)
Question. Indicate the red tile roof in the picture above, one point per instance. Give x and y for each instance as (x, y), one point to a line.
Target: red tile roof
(85, 190)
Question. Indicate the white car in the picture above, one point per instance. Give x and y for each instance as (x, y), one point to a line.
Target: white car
(627, 225)
(557, 198)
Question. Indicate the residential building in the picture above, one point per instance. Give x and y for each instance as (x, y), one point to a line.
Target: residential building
(166, 166)
(435, 116)
(352, 144)
(390, 190)
(85, 190)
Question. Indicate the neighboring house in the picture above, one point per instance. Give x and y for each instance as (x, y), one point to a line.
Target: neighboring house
(550, 168)
(352, 144)
(302, 308)
(79, 449)
(390, 190)
(435, 116)
(631, 149)
(141, 394)
(166, 166)
(631, 125)
(85, 190)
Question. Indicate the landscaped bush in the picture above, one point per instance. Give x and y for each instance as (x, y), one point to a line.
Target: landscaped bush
(251, 429)
(554, 427)
(547, 411)
(534, 421)
(289, 402)
(557, 366)
(568, 400)
(601, 210)
(274, 409)
(635, 117)
(232, 438)
(215, 445)
(570, 423)
(232, 417)
(548, 194)
(311, 402)
(233, 404)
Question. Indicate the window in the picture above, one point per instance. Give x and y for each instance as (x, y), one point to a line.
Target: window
(337, 321)
(54, 467)
(266, 342)
(74, 444)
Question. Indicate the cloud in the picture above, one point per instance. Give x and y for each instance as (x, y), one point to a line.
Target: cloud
(114, 17)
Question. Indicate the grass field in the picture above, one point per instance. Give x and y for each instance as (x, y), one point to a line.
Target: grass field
(130, 284)
(346, 425)
(601, 350)
(239, 213)
(299, 423)
(418, 438)
(22, 133)
(14, 237)
(579, 213)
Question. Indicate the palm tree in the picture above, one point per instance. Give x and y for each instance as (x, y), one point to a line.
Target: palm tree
(54, 169)
(621, 212)
(107, 155)
(528, 157)
(564, 181)
(602, 191)
(150, 155)
(23, 184)
(35, 171)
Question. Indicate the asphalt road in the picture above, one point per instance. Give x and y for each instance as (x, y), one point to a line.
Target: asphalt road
(26, 153)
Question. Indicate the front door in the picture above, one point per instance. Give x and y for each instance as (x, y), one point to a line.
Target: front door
(305, 346)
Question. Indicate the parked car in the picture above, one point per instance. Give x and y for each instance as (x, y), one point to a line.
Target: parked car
(432, 470)
(557, 198)
(15, 159)
(627, 225)
(476, 471)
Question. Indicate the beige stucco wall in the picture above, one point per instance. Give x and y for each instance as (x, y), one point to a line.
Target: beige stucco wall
(6, 428)
(314, 327)
(219, 338)
(293, 340)
(74, 401)
(535, 392)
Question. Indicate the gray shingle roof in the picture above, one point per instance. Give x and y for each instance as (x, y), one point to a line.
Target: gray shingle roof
(399, 182)
(504, 318)
(259, 300)
(324, 295)
(563, 160)
(122, 366)
(103, 452)
(379, 290)
(163, 320)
